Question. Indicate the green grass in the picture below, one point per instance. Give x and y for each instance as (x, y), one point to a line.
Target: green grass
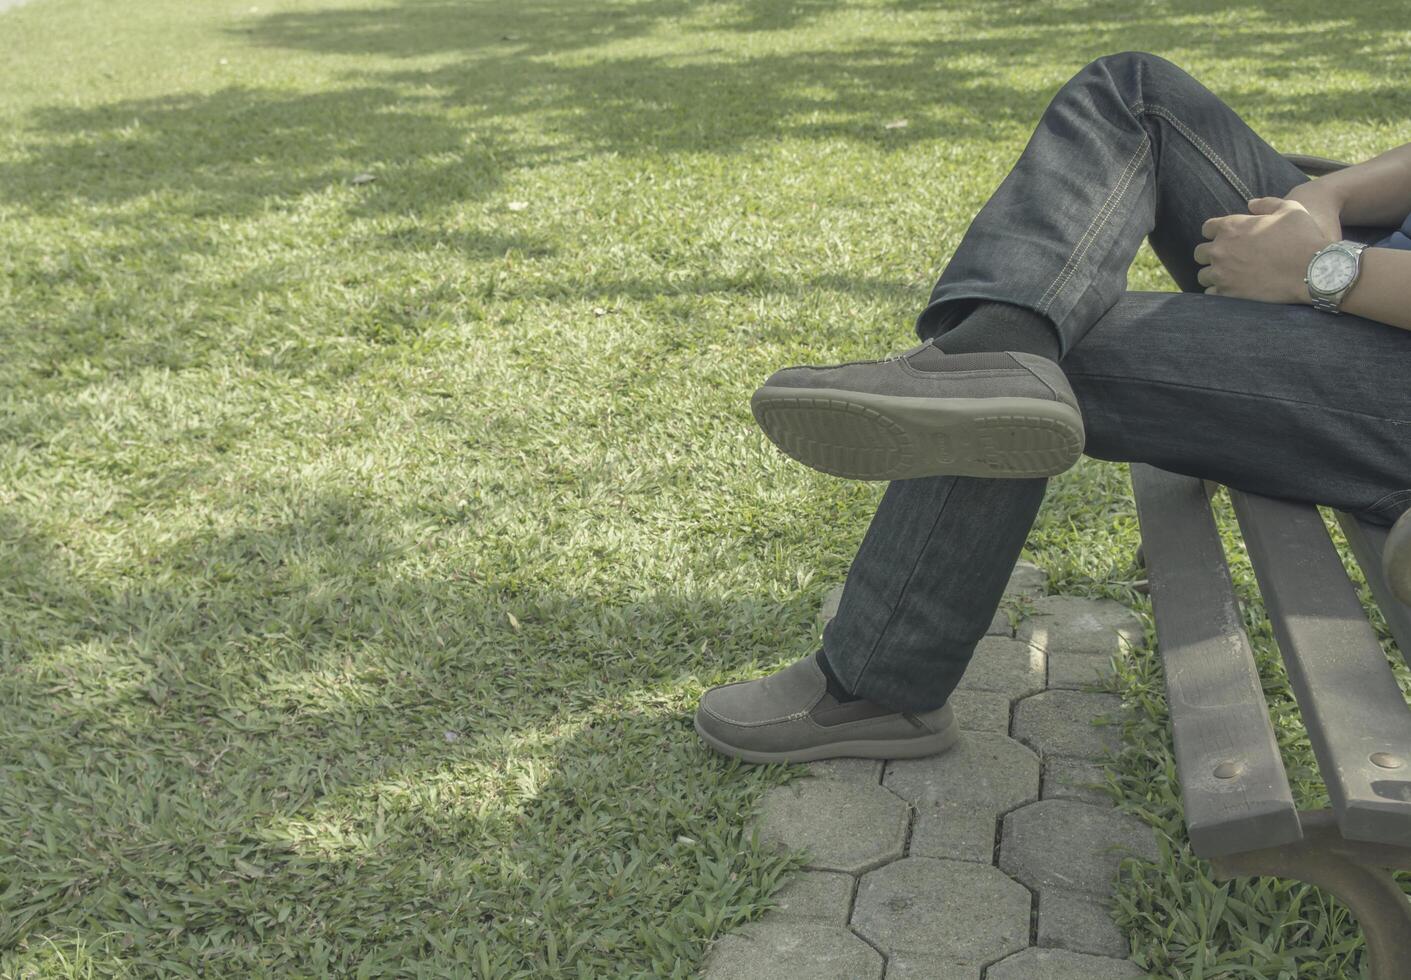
(364, 547)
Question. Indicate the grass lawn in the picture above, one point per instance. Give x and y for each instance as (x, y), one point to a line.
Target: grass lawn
(366, 544)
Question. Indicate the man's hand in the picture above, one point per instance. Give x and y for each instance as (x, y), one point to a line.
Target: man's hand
(1262, 255)
(1323, 201)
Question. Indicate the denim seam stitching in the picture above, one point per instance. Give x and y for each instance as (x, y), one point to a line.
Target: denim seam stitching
(1090, 234)
(1239, 394)
(901, 593)
(1080, 248)
(1206, 150)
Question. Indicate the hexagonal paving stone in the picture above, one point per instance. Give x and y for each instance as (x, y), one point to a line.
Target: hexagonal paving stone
(792, 949)
(842, 825)
(851, 770)
(1060, 964)
(1027, 579)
(1073, 624)
(968, 913)
(1065, 779)
(822, 895)
(1004, 665)
(1072, 845)
(1078, 670)
(1080, 922)
(959, 794)
(1060, 723)
(981, 711)
(906, 965)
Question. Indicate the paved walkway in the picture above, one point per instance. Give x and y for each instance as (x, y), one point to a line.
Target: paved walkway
(988, 862)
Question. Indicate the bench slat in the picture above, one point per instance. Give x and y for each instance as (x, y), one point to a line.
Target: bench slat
(1347, 693)
(1216, 699)
(1368, 541)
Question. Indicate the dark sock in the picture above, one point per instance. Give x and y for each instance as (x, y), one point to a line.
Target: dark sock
(835, 686)
(995, 326)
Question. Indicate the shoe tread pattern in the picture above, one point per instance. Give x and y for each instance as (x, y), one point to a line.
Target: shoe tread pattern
(859, 442)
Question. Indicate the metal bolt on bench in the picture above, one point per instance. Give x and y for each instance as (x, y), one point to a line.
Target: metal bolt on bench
(1240, 814)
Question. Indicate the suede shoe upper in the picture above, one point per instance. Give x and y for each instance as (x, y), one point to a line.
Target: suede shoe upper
(917, 372)
(792, 708)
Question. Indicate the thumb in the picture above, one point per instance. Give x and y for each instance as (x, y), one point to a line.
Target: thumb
(1264, 205)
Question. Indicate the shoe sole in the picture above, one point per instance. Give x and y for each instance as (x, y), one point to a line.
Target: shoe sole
(865, 436)
(898, 748)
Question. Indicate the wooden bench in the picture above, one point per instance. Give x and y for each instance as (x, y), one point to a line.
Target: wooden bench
(1239, 810)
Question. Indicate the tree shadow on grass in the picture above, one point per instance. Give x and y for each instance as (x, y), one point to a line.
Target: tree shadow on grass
(452, 131)
(275, 743)
(273, 748)
(416, 29)
(211, 741)
(239, 152)
(160, 178)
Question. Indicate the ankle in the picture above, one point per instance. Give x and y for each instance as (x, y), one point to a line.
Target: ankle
(835, 687)
(997, 326)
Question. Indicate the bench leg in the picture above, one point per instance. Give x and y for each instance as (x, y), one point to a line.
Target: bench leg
(1352, 870)
(1142, 585)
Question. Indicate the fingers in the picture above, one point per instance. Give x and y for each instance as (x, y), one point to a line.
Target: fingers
(1257, 206)
(1205, 276)
(1265, 205)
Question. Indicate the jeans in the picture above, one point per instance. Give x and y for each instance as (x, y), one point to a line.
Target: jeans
(1276, 399)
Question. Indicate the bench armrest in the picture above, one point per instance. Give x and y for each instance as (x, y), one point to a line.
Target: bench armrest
(1315, 166)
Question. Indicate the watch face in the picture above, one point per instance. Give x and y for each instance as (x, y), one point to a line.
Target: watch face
(1332, 271)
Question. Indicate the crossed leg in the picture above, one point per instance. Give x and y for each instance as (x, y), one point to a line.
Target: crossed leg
(1281, 400)
(1276, 399)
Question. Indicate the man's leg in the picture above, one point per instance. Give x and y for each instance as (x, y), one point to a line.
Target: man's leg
(925, 584)
(1275, 399)
(1131, 145)
(1130, 142)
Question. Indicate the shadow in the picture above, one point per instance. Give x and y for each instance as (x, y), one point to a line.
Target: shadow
(272, 694)
(482, 93)
(449, 132)
(290, 716)
(239, 152)
(417, 29)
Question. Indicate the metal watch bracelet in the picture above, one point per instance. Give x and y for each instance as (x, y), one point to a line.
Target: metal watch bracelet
(1333, 303)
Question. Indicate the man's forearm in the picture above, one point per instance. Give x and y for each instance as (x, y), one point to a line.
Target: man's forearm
(1375, 193)
(1381, 292)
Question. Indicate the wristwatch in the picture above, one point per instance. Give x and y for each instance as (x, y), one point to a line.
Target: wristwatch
(1331, 273)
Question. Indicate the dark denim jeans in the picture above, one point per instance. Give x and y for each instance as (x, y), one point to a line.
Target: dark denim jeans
(1277, 399)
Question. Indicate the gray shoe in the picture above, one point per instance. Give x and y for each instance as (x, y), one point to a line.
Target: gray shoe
(1396, 558)
(790, 717)
(926, 413)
